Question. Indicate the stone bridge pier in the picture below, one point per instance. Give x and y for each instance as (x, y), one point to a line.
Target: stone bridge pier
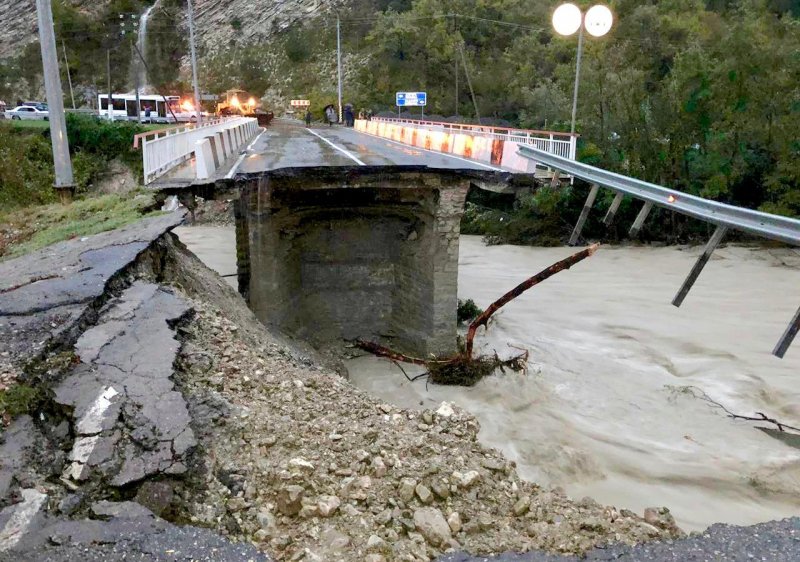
(332, 254)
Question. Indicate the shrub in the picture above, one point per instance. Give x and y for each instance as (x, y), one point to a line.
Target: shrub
(105, 140)
(26, 168)
(467, 311)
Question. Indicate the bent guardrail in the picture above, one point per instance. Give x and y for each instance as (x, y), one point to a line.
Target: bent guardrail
(723, 216)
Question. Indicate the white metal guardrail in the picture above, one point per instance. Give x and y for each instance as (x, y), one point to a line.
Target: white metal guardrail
(723, 216)
(563, 144)
(165, 149)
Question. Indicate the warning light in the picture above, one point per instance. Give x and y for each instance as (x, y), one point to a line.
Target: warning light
(671, 199)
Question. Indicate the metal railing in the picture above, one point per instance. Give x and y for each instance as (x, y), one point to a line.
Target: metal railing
(165, 149)
(555, 142)
(724, 217)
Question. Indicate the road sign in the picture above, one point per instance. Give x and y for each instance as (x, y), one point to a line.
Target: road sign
(411, 99)
(300, 103)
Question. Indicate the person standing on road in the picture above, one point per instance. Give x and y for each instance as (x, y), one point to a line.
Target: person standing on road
(330, 114)
(308, 117)
(349, 118)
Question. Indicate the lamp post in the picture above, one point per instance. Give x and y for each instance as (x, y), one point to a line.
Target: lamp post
(568, 19)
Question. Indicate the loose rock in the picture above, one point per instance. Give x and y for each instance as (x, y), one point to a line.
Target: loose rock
(432, 525)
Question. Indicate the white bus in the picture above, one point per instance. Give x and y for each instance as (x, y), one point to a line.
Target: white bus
(123, 108)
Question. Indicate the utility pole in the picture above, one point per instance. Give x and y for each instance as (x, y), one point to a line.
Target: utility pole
(577, 82)
(134, 29)
(339, 61)
(110, 95)
(469, 83)
(69, 77)
(455, 59)
(55, 100)
(137, 85)
(194, 66)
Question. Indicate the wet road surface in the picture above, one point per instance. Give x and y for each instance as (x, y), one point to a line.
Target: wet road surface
(289, 144)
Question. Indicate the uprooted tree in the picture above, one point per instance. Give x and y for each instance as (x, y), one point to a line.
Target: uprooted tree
(465, 368)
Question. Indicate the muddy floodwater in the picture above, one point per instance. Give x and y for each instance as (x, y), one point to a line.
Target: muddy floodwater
(611, 406)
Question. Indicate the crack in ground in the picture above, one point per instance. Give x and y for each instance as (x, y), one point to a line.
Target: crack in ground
(29, 282)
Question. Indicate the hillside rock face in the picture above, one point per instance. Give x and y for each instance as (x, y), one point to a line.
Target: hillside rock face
(17, 25)
(221, 21)
(218, 21)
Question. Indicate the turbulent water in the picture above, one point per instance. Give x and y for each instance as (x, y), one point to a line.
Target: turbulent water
(605, 409)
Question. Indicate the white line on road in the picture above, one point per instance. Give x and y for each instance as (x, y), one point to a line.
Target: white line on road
(235, 168)
(92, 422)
(339, 148)
(24, 512)
(487, 166)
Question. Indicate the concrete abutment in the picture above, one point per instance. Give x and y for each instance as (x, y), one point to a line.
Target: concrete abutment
(332, 255)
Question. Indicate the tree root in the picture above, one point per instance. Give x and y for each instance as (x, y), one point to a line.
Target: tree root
(464, 369)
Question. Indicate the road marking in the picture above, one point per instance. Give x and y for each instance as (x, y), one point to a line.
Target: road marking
(92, 422)
(235, 168)
(339, 148)
(24, 512)
(487, 166)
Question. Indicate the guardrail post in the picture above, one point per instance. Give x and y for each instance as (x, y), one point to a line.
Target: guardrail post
(204, 159)
(788, 337)
(215, 151)
(231, 139)
(223, 145)
(612, 210)
(584, 214)
(701, 262)
(145, 163)
(641, 217)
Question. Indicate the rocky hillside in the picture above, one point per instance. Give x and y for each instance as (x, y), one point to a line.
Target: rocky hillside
(218, 21)
(17, 25)
(221, 22)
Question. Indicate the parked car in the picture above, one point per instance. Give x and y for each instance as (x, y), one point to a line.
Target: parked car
(28, 112)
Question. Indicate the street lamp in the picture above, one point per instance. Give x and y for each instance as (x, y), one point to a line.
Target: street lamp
(567, 19)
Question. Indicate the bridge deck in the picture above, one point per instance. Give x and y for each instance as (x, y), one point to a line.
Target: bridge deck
(287, 144)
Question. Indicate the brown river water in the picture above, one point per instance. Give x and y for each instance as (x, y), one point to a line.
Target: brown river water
(604, 410)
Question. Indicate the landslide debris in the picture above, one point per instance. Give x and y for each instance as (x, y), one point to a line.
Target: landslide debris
(306, 466)
(280, 451)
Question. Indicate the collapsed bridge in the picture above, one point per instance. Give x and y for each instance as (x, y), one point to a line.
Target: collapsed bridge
(354, 233)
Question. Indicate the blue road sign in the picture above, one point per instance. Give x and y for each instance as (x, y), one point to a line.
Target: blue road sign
(411, 99)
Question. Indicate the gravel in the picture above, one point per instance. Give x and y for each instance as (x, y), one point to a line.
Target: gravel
(306, 466)
(776, 541)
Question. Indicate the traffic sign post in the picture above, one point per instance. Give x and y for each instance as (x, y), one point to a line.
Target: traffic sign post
(411, 99)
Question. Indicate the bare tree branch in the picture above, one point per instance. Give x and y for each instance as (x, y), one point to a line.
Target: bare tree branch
(759, 417)
(483, 319)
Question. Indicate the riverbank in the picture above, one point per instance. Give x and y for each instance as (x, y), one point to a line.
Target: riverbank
(604, 410)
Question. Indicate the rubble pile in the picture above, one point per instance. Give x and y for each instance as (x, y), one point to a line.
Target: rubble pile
(309, 467)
